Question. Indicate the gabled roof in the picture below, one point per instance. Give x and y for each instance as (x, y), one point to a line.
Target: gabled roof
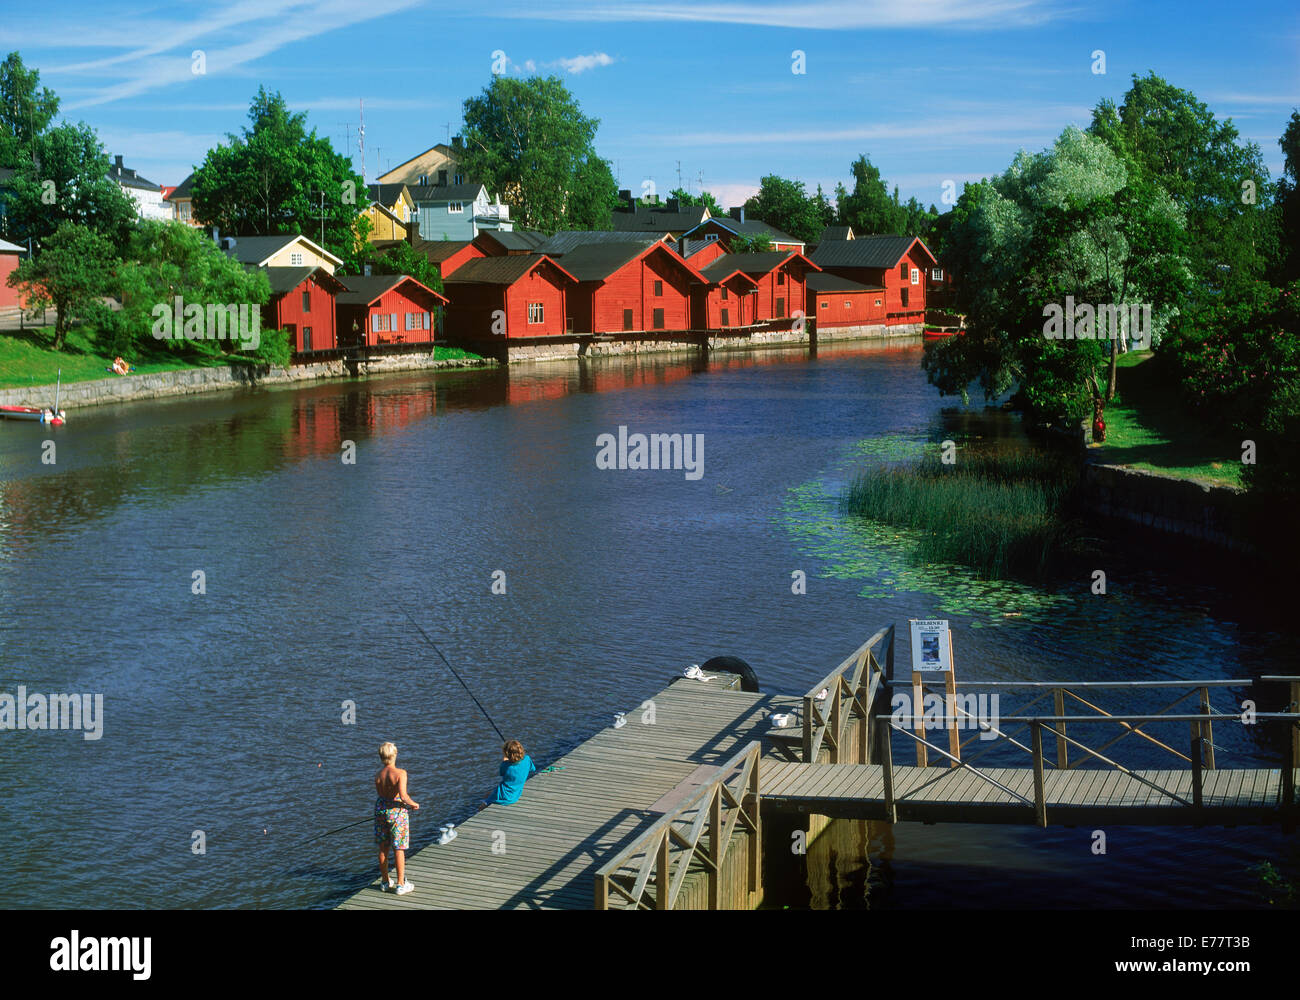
(385, 194)
(260, 249)
(515, 239)
(181, 191)
(765, 261)
(597, 261)
(127, 177)
(426, 194)
(836, 233)
(438, 251)
(363, 289)
(651, 219)
(286, 279)
(501, 270)
(7, 247)
(866, 251)
(441, 147)
(723, 270)
(567, 240)
(750, 227)
(823, 281)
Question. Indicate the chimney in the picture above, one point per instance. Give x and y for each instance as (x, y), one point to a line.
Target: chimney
(672, 205)
(413, 229)
(442, 178)
(738, 213)
(625, 198)
(457, 142)
(117, 162)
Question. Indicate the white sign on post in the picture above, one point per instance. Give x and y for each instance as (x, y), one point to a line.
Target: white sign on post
(931, 647)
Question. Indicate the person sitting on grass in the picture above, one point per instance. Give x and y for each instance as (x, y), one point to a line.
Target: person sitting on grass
(516, 768)
(392, 823)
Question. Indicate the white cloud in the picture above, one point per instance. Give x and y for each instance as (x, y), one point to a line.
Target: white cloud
(580, 64)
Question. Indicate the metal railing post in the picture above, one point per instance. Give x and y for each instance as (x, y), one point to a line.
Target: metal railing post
(1062, 747)
(1198, 752)
(1040, 791)
(886, 754)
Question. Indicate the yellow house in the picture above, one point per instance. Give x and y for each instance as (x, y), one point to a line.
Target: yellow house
(389, 211)
(436, 165)
(281, 251)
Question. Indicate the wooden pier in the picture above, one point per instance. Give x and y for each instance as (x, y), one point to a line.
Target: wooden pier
(666, 810)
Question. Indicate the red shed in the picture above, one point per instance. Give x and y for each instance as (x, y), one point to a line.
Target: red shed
(513, 297)
(837, 301)
(9, 297)
(897, 263)
(387, 309)
(302, 303)
(447, 255)
(630, 287)
(779, 282)
(729, 299)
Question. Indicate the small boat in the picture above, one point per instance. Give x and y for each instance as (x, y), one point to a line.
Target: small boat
(934, 332)
(47, 416)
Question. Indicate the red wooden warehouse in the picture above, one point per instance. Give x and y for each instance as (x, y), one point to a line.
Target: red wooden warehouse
(508, 297)
(896, 263)
(834, 301)
(630, 288)
(302, 303)
(387, 310)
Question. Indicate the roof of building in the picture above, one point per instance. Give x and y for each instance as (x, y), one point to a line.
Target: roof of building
(836, 233)
(363, 289)
(385, 194)
(597, 261)
(437, 193)
(286, 279)
(865, 251)
(181, 191)
(568, 240)
(651, 220)
(438, 251)
(7, 247)
(255, 249)
(823, 281)
(127, 177)
(441, 147)
(722, 270)
(516, 239)
(500, 270)
(750, 227)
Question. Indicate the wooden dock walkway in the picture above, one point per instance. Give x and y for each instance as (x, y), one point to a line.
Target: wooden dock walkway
(570, 821)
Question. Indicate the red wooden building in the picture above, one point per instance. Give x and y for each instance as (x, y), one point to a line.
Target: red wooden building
(513, 297)
(387, 309)
(729, 299)
(302, 303)
(630, 288)
(9, 259)
(725, 229)
(448, 255)
(834, 300)
(779, 287)
(896, 263)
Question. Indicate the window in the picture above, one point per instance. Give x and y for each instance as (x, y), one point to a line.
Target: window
(410, 320)
(936, 274)
(902, 270)
(848, 303)
(726, 317)
(627, 319)
(426, 320)
(780, 308)
(392, 322)
(659, 288)
(903, 292)
(916, 276)
(455, 207)
(536, 312)
(659, 319)
(724, 294)
(877, 303)
(780, 277)
(460, 179)
(306, 301)
(306, 338)
(825, 305)
(378, 323)
(423, 179)
(295, 260)
(710, 237)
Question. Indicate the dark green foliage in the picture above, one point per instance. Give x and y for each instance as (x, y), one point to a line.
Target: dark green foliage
(787, 206)
(26, 110)
(72, 273)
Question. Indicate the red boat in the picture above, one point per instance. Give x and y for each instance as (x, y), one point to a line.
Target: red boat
(46, 416)
(935, 332)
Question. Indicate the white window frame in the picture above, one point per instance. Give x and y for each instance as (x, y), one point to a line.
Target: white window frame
(295, 259)
(455, 208)
(916, 276)
(536, 313)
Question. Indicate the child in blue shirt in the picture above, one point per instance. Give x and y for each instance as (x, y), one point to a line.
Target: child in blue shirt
(516, 768)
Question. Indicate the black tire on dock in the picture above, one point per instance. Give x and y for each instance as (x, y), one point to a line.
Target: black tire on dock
(734, 665)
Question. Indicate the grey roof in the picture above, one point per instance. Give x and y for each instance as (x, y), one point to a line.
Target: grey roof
(822, 281)
(750, 227)
(722, 269)
(255, 249)
(437, 193)
(438, 251)
(567, 240)
(516, 239)
(864, 251)
(755, 263)
(363, 289)
(182, 190)
(385, 194)
(836, 233)
(597, 261)
(127, 177)
(494, 270)
(286, 279)
(644, 220)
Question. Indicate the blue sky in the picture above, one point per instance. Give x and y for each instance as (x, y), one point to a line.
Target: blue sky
(930, 90)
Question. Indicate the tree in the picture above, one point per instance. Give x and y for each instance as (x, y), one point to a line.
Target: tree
(757, 243)
(786, 205)
(405, 259)
(169, 259)
(68, 182)
(279, 179)
(1288, 201)
(869, 209)
(25, 111)
(529, 141)
(1068, 225)
(1220, 183)
(704, 198)
(72, 272)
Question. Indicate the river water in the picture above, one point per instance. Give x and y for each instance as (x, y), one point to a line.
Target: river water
(223, 718)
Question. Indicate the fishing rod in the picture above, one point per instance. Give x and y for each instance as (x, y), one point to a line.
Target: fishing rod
(454, 674)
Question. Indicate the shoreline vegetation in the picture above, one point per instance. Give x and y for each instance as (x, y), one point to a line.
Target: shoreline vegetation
(1003, 516)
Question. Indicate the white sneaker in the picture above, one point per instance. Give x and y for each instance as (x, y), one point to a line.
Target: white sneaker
(404, 888)
(386, 885)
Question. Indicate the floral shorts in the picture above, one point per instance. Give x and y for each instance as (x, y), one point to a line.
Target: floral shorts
(392, 825)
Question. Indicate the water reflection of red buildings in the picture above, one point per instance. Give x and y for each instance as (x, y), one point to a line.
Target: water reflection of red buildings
(320, 426)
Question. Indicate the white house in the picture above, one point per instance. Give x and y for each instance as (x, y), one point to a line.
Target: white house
(147, 195)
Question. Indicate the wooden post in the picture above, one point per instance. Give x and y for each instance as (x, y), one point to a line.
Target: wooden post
(756, 846)
(1207, 730)
(1198, 752)
(662, 873)
(918, 719)
(835, 697)
(950, 698)
(601, 901)
(808, 708)
(886, 753)
(1040, 792)
(715, 845)
(1062, 747)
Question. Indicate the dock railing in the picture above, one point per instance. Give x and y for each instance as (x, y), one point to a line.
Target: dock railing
(845, 694)
(669, 849)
